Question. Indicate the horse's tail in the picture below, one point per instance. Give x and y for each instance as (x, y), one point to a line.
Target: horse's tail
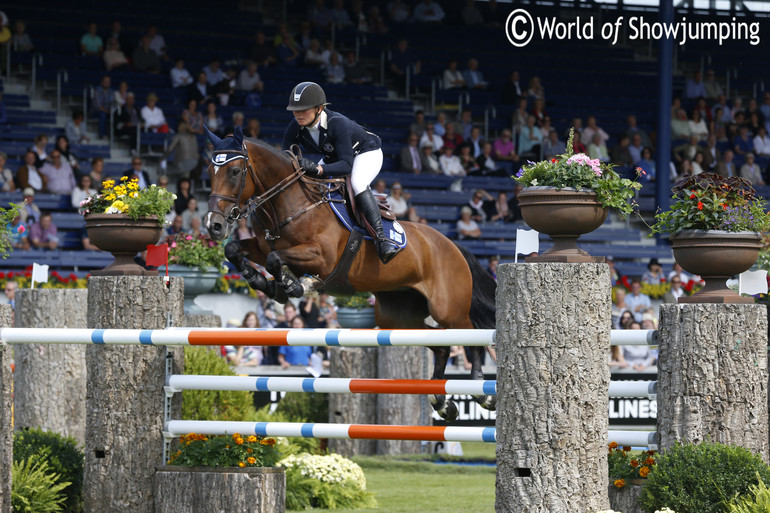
(483, 297)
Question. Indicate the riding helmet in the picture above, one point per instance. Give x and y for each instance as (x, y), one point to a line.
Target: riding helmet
(306, 95)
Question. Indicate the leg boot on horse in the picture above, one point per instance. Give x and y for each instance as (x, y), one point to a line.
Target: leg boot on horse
(371, 211)
(256, 280)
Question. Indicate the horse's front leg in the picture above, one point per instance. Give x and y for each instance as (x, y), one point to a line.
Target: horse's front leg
(238, 253)
(305, 258)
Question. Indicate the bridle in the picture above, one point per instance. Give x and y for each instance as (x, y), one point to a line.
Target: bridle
(258, 202)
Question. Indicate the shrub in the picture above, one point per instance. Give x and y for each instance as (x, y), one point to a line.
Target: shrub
(304, 407)
(701, 478)
(213, 404)
(35, 489)
(63, 457)
(225, 451)
(759, 502)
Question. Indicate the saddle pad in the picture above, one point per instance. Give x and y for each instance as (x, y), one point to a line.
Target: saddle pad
(393, 230)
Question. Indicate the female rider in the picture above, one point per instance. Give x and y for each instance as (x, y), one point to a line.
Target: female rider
(347, 148)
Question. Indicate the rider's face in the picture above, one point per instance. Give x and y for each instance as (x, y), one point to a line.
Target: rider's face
(305, 117)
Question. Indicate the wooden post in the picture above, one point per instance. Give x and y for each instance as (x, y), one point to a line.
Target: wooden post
(353, 362)
(201, 321)
(124, 420)
(6, 415)
(50, 379)
(712, 375)
(553, 339)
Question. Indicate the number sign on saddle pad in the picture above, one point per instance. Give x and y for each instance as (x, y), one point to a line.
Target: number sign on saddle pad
(393, 230)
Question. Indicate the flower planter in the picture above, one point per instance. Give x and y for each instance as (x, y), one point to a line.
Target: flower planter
(625, 499)
(256, 489)
(358, 318)
(196, 282)
(564, 215)
(124, 238)
(716, 256)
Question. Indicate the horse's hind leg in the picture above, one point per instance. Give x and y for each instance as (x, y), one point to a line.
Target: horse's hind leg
(487, 402)
(445, 408)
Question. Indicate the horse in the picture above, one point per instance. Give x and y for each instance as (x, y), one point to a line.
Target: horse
(431, 276)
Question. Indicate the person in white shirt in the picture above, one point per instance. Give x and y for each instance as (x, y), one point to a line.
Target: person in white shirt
(249, 80)
(82, 191)
(453, 77)
(751, 172)
(152, 115)
(698, 126)
(431, 138)
(762, 142)
(157, 43)
(450, 164)
(180, 77)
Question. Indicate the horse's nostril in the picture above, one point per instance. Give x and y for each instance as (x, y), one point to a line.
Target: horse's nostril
(216, 227)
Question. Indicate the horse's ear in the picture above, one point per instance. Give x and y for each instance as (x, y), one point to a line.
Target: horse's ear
(212, 137)
(238, 135)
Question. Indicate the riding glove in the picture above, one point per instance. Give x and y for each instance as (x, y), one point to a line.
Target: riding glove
(309, 167)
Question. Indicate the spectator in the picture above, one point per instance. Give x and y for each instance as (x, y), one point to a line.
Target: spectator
(82, 191)
(340, 16)
(470, 165)
(91, 43)
(238, 119)
(520, 115)
(695, 87)
(467, 227)
(121, 94)
(21, 41)
(450, 136)
(180, 77)
(286, 49)
(334, 71)
(504, 152)
(721, 103)
(249, 81)
(375, 21)
(473, 77)
(513, 203)
(127, 120)
(246, 356)
(712, 87)
(450, 164)
(476, 142)
(680, 126)
(638, 357)
(97, 172)
(75, 129)
(193, 118)
(152, 116)
(587, 136)
(63, 145)
(675, 292)
(500, 210)
(430, 163)
(114, 58)
(440, 125)
(535, 90)
(762, 142)
(157, 42)
(430, 137)
(737, 108)
(295, 355)
(654, 273)
(635, 148)
(137, 172)
(61, 179)
(43, 234)
(743, 144)
(480, 201)
(698, 126)
(621, 155)
(453, 78)
(243, 231)
(512, 90)
(751, 172)
(28, 176)
(262, 52)
(6, 175)
(428, 11)
(539, 112)
(355, 72)
(226, 88)
(466, 123)
(633, 129)
(686, 151)
(619, 306)
(636, 301)
(19, 238)
(401, 59)
(253, 129)
(418, 127)
(185, 146)
(398, 11)
(313, 54)
(200, 91)
(29, 211)
(410, 156)
(102, 103)
(647, 164)
(616, 358)
(183, 195)
(552, 146)
(530, 140)
(190, 212)
(697, 163)
(176, 227)
(145, 59)
(399, 203)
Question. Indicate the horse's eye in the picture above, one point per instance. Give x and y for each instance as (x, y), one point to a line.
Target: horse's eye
(236, 170)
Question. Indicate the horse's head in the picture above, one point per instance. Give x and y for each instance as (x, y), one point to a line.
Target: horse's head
(231, 183)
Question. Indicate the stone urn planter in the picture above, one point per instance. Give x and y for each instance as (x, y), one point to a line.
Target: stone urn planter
(716, 256)
(181, 489)
(564, 215)
(196, 282)
(625, 499)
(357, 318)
(124, 238)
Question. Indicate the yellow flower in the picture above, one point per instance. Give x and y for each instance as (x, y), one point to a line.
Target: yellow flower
(132, 186)
(110, 197)
(619, 483)
(107, 184)
(252, 460)
(239, 441)
(236, 436)
(123, 178)
(134, 194)
(251, 439)
(241, 464)
(644, 471)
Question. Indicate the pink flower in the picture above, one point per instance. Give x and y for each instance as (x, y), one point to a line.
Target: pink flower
(173, 244)
(189, 237)
(22, 229)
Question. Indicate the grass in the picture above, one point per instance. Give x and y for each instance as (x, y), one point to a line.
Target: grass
(413, 485)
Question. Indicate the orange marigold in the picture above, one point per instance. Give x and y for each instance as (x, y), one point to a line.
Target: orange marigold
(619, 483)
(249, 450)
(251, 439)
(634, 463)
(613, 445)
(241, 464)
(239, 441)
(644, 471)
(267, 441)
(236, 436)
(252, 460)
(626, 448)
(649, 461)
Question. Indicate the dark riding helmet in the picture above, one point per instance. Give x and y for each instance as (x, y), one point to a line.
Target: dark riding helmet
(306, 95)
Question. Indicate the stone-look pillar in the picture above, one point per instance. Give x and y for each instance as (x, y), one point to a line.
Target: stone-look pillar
(124, 419)
(553, 339)
(409, 410)
(353, 362)
(6, 417)
(712, 375)
(50, 379)
(201, 321)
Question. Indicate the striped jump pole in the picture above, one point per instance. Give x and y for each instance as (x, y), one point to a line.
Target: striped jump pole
(640, 389)
(281, 337)
(179, 382)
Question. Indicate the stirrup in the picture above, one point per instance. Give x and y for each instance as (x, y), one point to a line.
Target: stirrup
(386, 256)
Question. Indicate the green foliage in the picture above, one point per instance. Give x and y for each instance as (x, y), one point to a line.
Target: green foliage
(304, 407)
(7, 215)
(201, 251)
(127, 198)
(580, 172)
(624, 465)
(290, 445)
(708, 201)
(225, 451)
(701, 478)
(35, 489)
(62, 456)
(759, 502)
(213, 404)
(327, 482)
(359, 301)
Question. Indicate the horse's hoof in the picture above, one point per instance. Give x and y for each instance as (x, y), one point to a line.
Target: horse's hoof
(488, 402)
(233, 252)
(450, 412)
(295, 289)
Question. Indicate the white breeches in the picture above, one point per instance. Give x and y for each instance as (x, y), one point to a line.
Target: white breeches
(366, 167)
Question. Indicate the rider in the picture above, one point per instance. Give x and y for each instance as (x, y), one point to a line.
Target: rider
(347, 148)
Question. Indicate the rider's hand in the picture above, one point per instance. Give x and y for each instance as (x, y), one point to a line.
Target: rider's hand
(309, 167)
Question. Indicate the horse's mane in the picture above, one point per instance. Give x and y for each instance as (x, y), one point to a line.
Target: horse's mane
(268, 147)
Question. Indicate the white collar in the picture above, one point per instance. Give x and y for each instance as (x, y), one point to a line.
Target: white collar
(322, 121)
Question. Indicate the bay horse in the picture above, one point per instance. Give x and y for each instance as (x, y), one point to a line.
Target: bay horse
(431, 276)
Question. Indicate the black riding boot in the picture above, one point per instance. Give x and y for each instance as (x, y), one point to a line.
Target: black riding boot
(369, 209)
